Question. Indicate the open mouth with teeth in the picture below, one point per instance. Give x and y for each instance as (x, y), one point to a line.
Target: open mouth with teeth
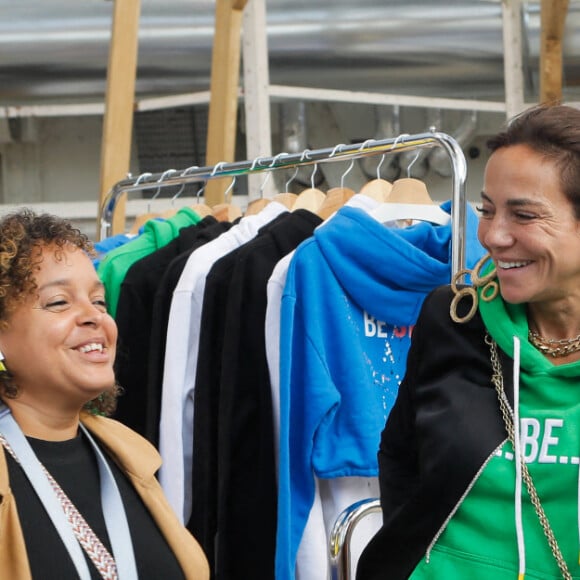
(512, 265)
(93, 346)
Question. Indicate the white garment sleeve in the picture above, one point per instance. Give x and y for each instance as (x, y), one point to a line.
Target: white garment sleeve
(181, 355)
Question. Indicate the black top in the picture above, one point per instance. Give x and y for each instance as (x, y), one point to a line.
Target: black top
(134, 319)
(203, 520)
(247, 491)
(161, 309)
(234, 484)
(74, 466)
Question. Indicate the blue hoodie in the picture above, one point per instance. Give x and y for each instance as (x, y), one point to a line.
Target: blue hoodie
(352, 295)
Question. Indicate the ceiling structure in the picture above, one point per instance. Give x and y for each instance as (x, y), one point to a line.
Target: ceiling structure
(57, 52)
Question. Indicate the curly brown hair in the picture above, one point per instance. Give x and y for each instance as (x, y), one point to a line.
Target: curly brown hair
(23, 234)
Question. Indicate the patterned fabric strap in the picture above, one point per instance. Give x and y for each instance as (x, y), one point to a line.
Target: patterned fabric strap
(94, 548)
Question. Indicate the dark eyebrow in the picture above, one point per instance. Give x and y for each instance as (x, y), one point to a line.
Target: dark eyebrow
(518, 202)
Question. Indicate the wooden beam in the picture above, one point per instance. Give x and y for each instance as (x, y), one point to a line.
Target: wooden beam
(513, 57)
(553, 18)
(256, 84)
(119, 103)
(223, 105)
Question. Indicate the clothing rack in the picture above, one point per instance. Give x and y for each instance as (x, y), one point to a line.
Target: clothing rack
(370, 147)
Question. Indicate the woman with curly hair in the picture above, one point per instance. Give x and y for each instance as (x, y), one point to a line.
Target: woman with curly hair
(78, 494)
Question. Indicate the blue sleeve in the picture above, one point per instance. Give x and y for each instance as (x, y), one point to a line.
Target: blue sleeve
(306, 400)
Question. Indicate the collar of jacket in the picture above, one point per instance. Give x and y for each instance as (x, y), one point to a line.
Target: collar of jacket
(131, 450)
(136, 455)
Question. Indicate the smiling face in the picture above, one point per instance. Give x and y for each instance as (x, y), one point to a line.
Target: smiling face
(529, 228)
(60, 343)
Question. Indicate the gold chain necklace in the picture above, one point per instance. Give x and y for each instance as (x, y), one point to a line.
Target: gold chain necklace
(554, 347)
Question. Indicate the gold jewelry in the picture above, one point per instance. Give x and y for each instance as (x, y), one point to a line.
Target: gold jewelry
(487, 283)
(553, 347)
(497, 380)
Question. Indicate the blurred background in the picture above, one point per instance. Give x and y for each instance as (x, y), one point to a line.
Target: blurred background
(53, 78)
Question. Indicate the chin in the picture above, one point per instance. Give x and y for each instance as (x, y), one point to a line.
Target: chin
(515, 297)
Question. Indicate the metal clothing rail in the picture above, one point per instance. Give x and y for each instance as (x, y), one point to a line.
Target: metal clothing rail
(310, 157)
(341, 535)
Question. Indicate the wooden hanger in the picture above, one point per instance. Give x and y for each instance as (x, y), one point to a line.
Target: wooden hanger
(310, 199)
(257, 205)
(201, 209)
(379, 189)
(286, 199)
(170, 212)
(336, 197)
(226, 212)
(141, 220)
(334, 200)
(410, 190)
(410, 200)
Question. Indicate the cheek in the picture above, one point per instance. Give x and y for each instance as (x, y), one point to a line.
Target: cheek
(111, 330)
(111, 333)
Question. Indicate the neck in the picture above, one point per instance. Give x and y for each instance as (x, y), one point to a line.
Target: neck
(43, 424)
(554, 323)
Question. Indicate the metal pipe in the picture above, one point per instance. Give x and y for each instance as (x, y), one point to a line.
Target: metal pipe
(341, 535)
(291, 160)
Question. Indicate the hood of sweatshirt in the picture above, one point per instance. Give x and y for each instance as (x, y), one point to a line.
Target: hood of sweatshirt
(504, 322)
(388, 271)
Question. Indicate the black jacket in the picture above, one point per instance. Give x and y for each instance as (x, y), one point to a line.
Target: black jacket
(134, 320)
(445, 424)
(247, 498)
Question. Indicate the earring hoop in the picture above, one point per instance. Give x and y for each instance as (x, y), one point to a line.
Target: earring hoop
(487, 283)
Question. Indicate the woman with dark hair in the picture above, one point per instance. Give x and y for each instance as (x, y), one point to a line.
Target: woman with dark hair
(78, 494)
(479, 460)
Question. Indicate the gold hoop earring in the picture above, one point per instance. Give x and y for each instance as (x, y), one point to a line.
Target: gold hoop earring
(459, 295)
(487, 283)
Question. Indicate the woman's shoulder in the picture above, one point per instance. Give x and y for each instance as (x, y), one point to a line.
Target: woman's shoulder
(443, 316)
(436, 306)
(130, 448)
(440, 295)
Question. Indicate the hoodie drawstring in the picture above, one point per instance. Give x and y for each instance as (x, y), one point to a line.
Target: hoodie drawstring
(578, 513)
(510, 424)
(518, 464)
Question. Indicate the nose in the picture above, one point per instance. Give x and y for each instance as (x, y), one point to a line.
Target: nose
(495, 233)
(89, 314)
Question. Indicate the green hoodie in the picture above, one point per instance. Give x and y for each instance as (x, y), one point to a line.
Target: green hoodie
(156, 234)
(479, 541)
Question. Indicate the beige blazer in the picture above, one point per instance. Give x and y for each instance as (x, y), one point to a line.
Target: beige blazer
(140, 461)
